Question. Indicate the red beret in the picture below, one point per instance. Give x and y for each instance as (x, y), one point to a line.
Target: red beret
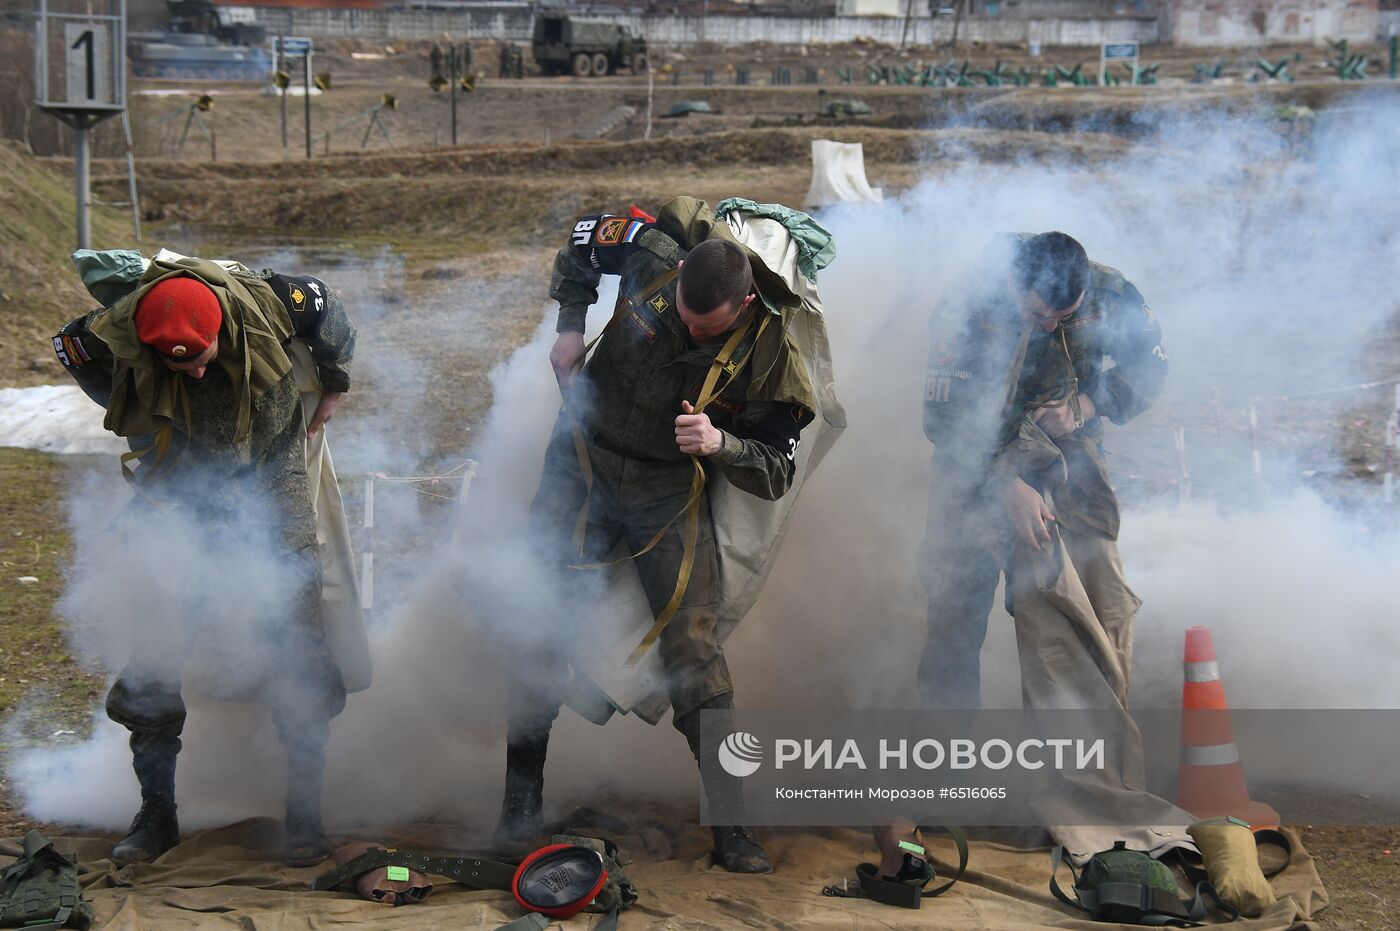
(179, 317)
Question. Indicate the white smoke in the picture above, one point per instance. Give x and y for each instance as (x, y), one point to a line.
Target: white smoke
(1271, 272)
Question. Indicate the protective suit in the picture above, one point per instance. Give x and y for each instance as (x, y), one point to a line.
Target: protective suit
(990, 371)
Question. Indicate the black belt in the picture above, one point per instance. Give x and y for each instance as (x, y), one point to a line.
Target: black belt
(469, 871)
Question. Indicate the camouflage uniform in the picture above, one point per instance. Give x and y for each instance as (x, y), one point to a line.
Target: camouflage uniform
(626, 401)
(989, 371)
(624, 404)
(216, 474)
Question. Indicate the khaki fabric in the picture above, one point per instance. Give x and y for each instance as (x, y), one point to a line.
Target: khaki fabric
(229, 878)
(1074, 619)
(1232, 862)
(144, 393)
(342, 616)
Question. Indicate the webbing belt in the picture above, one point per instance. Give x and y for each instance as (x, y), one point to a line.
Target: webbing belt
(910, 894)
(475, 872)
(724, 364)
(469, 871)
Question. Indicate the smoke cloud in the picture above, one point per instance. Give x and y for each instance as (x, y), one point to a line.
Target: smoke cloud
(1272, 273)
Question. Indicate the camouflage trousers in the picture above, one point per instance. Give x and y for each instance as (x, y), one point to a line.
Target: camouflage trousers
(630, 502)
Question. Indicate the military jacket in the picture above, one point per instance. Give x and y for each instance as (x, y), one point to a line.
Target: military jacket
(646, 363)
(990, 370)
(215, 466)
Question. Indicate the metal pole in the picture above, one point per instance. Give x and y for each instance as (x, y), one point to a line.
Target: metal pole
(468, 474)
(957, 21)
(452, 71)
(131, 176)
(651, 90)
(282, 66)
(82, 185)
(306, 88)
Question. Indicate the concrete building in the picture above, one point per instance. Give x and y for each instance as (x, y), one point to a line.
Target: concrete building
(1256, 22)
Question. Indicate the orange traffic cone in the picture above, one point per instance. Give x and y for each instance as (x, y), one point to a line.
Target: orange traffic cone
(1212, 780)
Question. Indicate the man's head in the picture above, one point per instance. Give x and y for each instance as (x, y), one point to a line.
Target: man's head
(1048, 275)
(716, 286)
(180, 319)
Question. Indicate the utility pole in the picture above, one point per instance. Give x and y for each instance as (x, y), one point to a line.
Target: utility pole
(306, 93)
(282, 83)
(452, 68)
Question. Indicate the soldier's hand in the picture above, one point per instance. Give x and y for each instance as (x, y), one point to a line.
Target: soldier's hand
(1028, 514)
(325, 410)
(1058, 420)
(566, 356)
(695, 435)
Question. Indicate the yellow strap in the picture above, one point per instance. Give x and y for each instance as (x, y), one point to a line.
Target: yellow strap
(708, 392)
(722, 363)
(161, 445)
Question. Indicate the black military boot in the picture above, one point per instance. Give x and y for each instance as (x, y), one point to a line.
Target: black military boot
(522, 805)
(306, 841)
(155, 828)
(736, 849)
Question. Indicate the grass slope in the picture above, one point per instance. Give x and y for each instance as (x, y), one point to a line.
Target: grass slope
(39, 290)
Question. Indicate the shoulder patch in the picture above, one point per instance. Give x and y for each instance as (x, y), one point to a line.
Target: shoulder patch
(611, 231)
(61, 350)
(299, 293)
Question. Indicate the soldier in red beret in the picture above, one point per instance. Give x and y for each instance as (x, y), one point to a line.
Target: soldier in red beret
(202, 366)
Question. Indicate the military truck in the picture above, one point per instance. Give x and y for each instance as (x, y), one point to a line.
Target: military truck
(564, 45)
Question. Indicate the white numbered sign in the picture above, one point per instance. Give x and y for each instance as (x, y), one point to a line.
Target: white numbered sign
(87, 63)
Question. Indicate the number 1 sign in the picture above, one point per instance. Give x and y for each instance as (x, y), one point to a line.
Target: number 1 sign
(79, 62)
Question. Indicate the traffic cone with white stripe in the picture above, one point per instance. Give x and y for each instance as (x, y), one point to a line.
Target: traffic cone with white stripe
(1211, 778)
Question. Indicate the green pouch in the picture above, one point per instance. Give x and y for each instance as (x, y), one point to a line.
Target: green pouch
(109, 274)
(40, 891)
